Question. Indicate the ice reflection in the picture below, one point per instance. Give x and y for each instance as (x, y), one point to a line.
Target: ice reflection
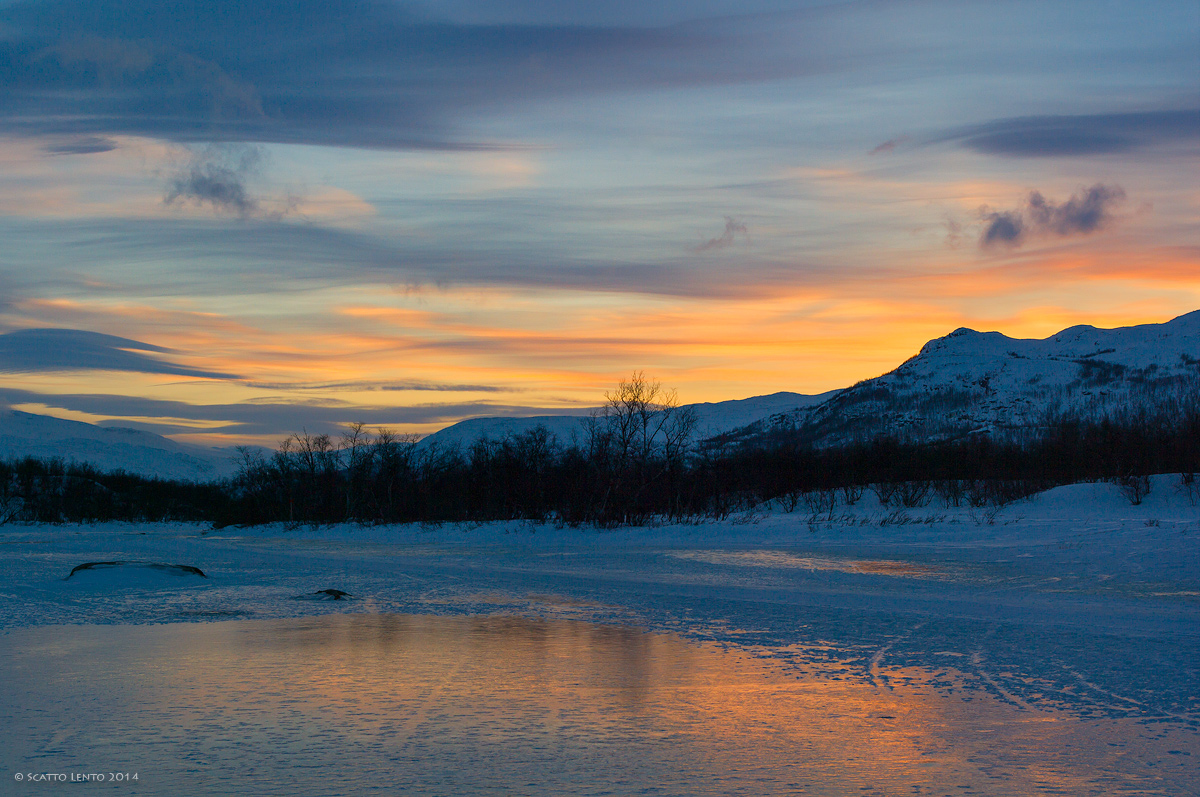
(459, 705)
(784, 560)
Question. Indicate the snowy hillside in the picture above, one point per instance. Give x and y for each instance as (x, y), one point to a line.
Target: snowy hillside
(967, 382)
(24, 434)
(713, 418)
(981, 382)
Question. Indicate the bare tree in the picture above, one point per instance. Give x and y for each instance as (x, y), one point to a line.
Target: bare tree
(639, 438)
(821, 502)
(392, 456)
(11, 502)
(356, 448)
(1189, 486)
(851, 493)
(1134, 487)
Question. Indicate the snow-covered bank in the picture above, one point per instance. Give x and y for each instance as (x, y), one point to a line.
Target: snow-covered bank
(1073, 599)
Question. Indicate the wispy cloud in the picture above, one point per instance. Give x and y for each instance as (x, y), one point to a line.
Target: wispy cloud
(1094, 134)
(888, 146)
(385, 75)
(277, 418)
(217, 177)
(81, 145)
(733, 228)
(1085, 212)
(37, 350)
(366, 387)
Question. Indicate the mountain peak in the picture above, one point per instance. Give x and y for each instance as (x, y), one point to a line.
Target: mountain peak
(969, 382)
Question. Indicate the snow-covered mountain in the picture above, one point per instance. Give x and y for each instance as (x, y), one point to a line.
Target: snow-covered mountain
(985, 382)
(24, 434)
(966, 382)
(713, 418)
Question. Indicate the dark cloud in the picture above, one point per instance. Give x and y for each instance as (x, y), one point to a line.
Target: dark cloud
(1087, 211)
(1096, 134)
(263, 418)
(414, 385)
(217, 177)
(1005, 228)
(733, 228)
(37, 350)
(83, 145)
(342, 72)
(209, 255)
(1081, 214)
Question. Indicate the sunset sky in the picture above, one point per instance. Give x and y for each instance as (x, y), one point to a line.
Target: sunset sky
(229, 221)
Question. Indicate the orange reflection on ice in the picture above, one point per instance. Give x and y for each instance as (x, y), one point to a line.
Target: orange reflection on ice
(437, 705)
(788, 561)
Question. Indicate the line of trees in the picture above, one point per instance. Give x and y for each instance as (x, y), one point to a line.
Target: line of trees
(55, 491)
(629, 464)
(637, 460)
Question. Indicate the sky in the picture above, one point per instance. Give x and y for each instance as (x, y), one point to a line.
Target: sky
(230, 221)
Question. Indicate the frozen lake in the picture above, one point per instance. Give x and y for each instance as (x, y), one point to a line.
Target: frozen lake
(352, 704)
(1049, 649)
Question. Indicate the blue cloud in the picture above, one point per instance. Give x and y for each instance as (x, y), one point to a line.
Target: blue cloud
(37, 350)
(1095, 134)
(260, 418)
(1085, 212)
(217, 177)
(1005, 228)
(340, 72)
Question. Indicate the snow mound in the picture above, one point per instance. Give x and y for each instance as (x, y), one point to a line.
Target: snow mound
(135, 575)
(325, 595)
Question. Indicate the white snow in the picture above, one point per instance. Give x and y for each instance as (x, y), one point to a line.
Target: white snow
(965, 382)
(980, 645)
(972, 382)
(24, 434)
(713, 418)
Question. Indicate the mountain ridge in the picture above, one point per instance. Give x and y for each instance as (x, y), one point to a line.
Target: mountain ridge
(970, 382)
(26, 434)
(964, 383)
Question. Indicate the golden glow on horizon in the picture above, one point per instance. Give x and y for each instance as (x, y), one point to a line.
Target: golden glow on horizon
(809, 317)
(539, 349)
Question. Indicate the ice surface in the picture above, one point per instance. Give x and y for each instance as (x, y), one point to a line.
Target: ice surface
(1074, 607)
(430, 705)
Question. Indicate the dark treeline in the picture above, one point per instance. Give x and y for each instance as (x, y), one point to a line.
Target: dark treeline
(52, 491)
(634, 462)
(630, 462)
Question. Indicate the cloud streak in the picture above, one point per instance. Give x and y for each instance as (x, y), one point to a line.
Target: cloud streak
(260, 418)
(51, 350)
(82, 145)
(209, 253)
(1094, 134)
(383, 76)
(1085, 212)
(733, 228)
(387, 387)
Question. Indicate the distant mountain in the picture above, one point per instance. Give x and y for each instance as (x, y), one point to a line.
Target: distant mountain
(965, 383)
(972, 382)
(24, 434)
(713, 418)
